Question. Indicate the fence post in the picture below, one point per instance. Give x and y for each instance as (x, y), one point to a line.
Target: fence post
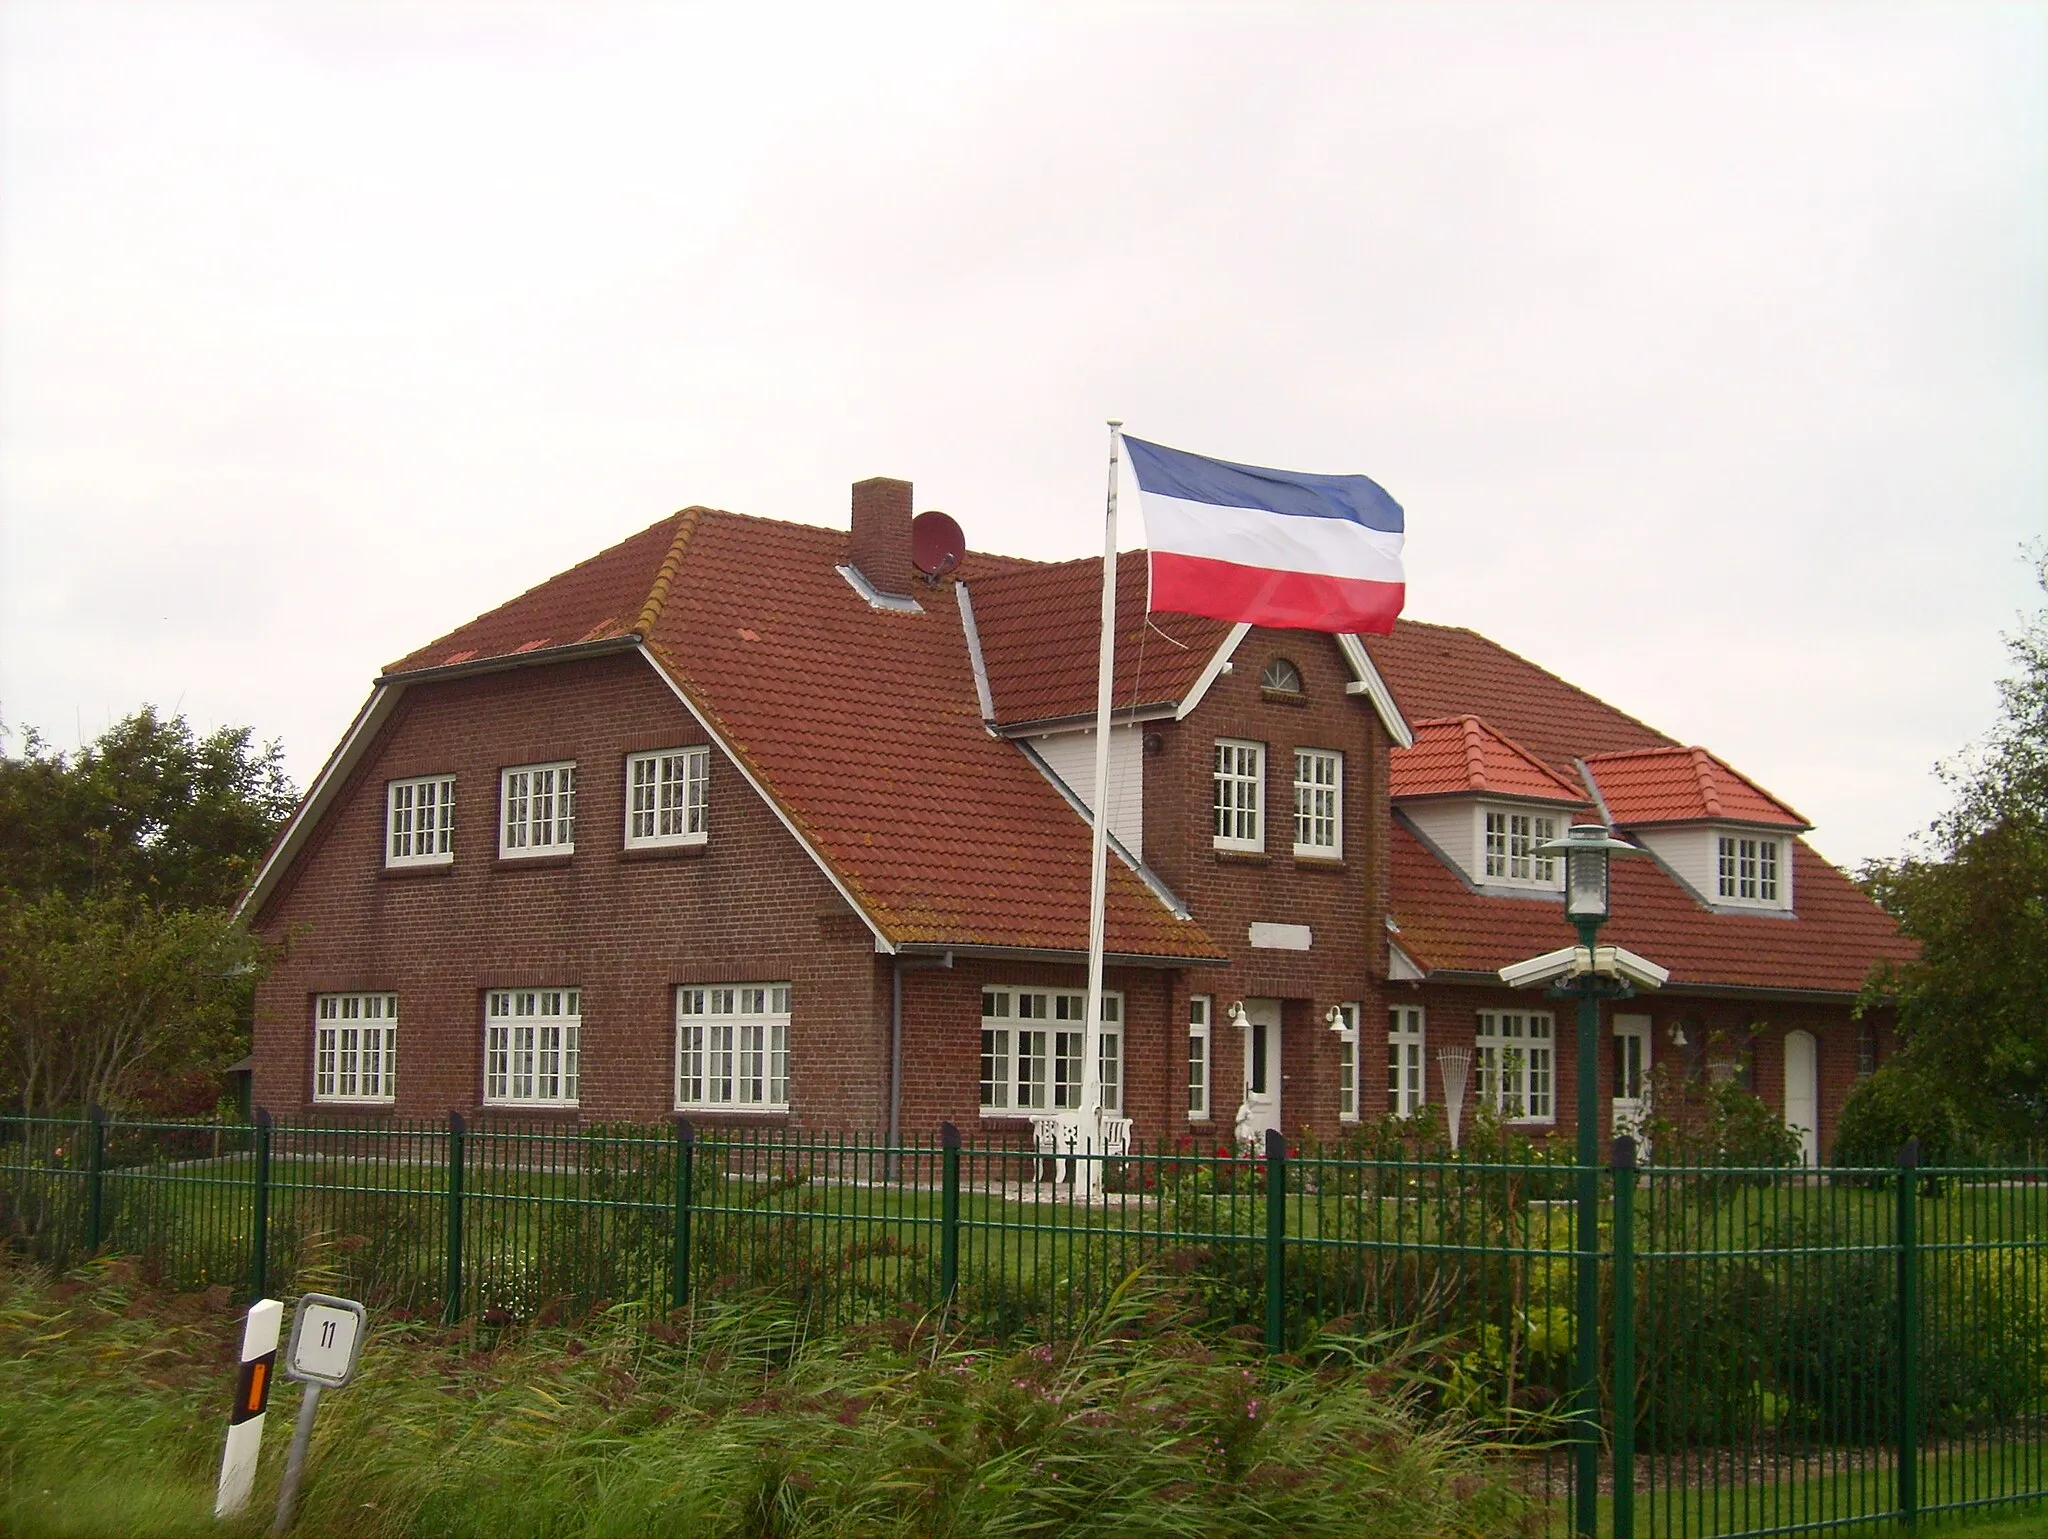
(452, 1309)
(686, 1175)
(949, 1210)
(1624, 1366)
(1908, 1345)
(95, 1177)
(259, 1222)
(1276, 1240)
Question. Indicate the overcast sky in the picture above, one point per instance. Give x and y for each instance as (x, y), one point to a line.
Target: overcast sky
(1707, 347)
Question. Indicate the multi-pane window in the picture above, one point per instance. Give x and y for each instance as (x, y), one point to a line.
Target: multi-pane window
(1282, 675)
(1511, 841)
(1747, 868)
(1199, 1008)
(1239, 795)
(419, 821)
(1407, 1079)
(1866, 1049)
(665, 796)
(1032, 1041)
(540, 810)
(1514, 1066)
(1318, 802)
(732, 1047)
(1347, 1063)
(530, 1045)
(355, 1047)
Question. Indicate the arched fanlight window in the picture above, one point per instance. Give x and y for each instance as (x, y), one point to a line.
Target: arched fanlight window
(1282, 675)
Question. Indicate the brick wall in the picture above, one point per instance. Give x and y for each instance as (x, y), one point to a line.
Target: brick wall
(748, 906)
(1343, 902)
(1747, 1034)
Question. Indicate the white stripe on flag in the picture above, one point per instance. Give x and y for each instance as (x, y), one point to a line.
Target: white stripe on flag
(1334, 547)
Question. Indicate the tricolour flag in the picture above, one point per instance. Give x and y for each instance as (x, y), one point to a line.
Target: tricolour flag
(1272, 547)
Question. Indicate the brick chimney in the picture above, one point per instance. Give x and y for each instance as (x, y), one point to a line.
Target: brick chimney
(880, 546)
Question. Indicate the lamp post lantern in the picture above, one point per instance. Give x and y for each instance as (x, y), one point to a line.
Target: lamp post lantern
(1586, 851)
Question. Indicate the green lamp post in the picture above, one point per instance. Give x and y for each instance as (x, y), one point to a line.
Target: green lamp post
(1586, 851)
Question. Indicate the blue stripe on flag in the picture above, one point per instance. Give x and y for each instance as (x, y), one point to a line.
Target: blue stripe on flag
(1176, 473)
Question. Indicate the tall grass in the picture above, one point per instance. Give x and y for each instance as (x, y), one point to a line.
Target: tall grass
(735, 1419)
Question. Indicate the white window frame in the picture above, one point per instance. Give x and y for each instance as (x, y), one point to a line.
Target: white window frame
(1272, 677)
(732, 1047)
(1348, 1089)
(404, 801)
(1514, 1064)
(1750, 868)
(1201, 1059)
(532, 1046)
(1508, 836)
(1407, 1060)
(537, 810)
(668, 795)
(1031, 1050)
(355, 1048)
(1237, 796)
(1319, 803)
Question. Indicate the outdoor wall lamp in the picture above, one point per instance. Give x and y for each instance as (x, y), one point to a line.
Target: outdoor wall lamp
(1334, 1019)
(1237, 1016)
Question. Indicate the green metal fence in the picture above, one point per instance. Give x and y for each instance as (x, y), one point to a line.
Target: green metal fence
(1780, 1351)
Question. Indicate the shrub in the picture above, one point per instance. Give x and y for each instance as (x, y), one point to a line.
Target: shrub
(1898, 1102)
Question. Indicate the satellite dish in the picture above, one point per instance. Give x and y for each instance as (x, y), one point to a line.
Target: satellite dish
(936, 544)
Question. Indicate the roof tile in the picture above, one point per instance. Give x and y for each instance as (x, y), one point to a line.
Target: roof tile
(1837, 936)
(1460, 755)
(1683, 785)
(1041, 630)
(863, 725)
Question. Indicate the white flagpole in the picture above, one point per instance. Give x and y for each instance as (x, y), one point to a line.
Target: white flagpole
(1098, 871)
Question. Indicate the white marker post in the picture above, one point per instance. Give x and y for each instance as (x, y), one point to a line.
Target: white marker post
(327, 1341)
(252, 1394)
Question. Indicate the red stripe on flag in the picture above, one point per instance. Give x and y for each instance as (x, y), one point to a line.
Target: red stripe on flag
(1224, 590)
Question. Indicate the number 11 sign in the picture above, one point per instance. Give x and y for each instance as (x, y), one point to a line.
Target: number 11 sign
(327, 1338)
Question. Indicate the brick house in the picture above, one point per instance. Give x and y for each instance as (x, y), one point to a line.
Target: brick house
(754, 821)
(1767, 943)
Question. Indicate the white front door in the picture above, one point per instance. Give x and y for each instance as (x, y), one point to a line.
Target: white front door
(1802, 1093)
(1631, 1075)
(1261, 1108)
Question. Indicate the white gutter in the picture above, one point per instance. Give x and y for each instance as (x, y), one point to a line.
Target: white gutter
(883, 944)
(1213, 671)
(982, 692)
(375, 711)
(1374, 688)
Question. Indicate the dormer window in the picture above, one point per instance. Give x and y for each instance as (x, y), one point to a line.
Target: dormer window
(1281, 675)
(1511, 840)
(1746, 869)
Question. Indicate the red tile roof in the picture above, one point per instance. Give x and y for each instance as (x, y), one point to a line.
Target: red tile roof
(863, 725)
(1829, 943)
(1041, 628)
(593, 601)
(1443, 670)
(1458, 755)
(1683, 785)
(1829, 947)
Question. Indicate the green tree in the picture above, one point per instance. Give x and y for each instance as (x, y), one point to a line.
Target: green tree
(99, 996)
(149, 811)
(1973, 1009)
(120, 968)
